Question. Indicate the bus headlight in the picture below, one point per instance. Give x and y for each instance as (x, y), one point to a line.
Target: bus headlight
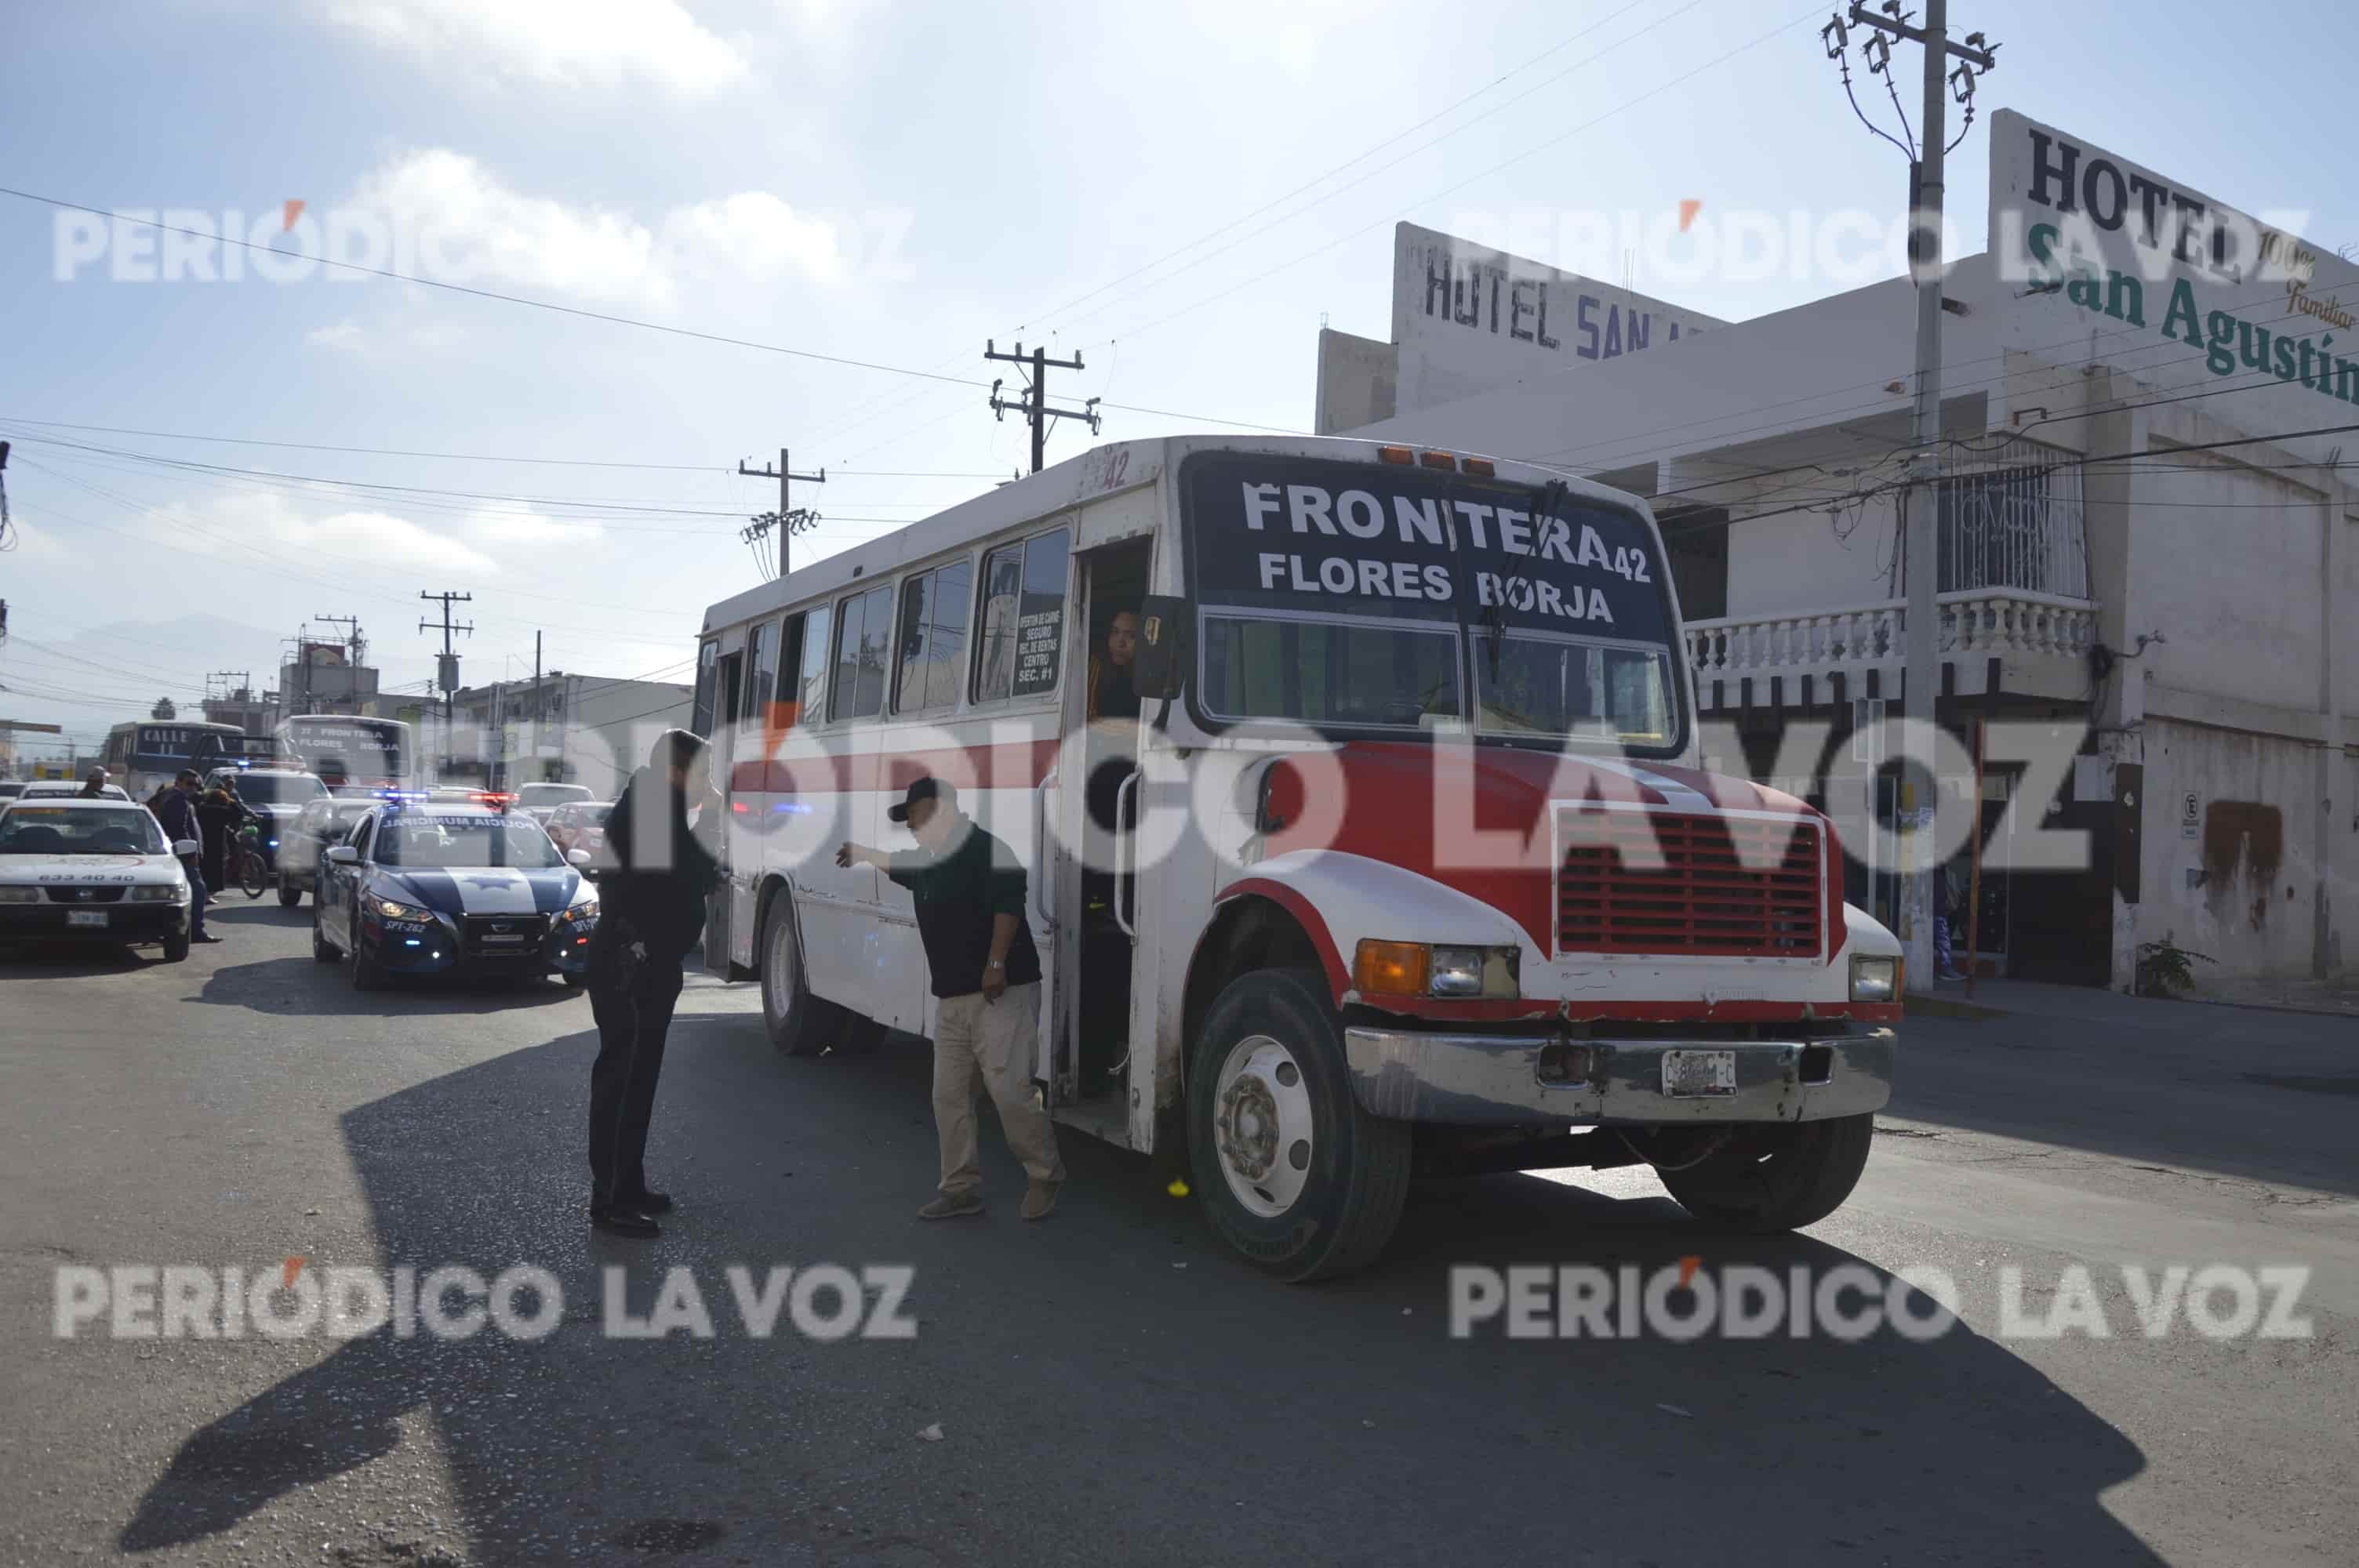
(1874, 977)
(1418, 970)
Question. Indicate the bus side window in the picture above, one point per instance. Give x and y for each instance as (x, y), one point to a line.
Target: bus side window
(863, 625)
(707, 658)
(1023, 618)
(762, 672)
(802, 676)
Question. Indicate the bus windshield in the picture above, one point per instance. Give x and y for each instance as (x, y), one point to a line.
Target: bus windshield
(345, 750)
(1348, 595)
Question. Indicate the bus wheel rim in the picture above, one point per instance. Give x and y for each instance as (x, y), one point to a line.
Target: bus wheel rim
(1263, 1126)
(777, 974)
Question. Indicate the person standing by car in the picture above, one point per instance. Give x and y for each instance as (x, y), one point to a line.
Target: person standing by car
(176, 812)
(220, 817)
(651, 912)
(94, 785)
(969, 891)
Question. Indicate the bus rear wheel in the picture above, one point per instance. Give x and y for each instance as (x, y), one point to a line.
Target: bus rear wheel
(798, 1022)
(1292, 1171)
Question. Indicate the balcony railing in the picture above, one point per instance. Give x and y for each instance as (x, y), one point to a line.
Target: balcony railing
(1995, 622)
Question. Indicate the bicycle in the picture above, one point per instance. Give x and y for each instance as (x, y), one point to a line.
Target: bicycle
(250, 866)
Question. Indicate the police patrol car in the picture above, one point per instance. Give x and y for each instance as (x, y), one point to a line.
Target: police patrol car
(424, 887)
(92, 871)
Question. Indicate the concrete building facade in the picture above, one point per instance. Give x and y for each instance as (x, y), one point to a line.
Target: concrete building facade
(563, 729)
(2148, 545)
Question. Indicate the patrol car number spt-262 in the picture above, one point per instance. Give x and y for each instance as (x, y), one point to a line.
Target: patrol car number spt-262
(425, 888)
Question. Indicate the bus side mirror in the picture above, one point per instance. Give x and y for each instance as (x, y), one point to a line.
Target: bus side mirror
(1159, 668)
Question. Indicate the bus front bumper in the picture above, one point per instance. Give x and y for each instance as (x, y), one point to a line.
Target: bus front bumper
(1492, 1080)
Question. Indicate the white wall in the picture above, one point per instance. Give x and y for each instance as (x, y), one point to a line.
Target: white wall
(2225, 560)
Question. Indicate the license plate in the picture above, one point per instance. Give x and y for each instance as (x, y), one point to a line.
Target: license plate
(1691, 1075)
(86, 918)
(496, 937)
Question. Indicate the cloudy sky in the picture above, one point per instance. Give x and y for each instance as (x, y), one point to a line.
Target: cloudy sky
(1180, 192)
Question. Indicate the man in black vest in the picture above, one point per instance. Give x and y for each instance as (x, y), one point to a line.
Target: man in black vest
(969, 891)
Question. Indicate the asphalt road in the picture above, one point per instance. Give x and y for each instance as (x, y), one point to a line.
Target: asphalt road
(1109, 1387)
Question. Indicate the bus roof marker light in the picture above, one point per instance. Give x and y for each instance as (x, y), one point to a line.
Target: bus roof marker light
(1481, 468)
(1395, 455)
(1448, 460)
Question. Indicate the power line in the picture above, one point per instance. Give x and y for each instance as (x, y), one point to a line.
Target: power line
(462, 457)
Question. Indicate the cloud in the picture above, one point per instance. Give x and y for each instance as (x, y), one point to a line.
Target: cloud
(465, 224)
(601, 44)
(377, 536)
(343, 336)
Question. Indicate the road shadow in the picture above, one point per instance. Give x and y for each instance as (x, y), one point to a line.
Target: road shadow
(2264, 1097)
(1110, 1386)
(301, 987)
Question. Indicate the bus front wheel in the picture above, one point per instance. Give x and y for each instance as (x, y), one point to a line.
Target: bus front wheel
(1292, 1172)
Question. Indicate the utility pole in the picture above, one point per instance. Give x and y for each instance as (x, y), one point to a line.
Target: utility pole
(536, 699)
(1926, 150)
(785, 519)
(447, 669)
(1035, 403)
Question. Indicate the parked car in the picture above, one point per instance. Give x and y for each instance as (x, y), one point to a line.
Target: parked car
(323, 823)
(579, 824)
(92, 871)
(11, 788)
(540, 799)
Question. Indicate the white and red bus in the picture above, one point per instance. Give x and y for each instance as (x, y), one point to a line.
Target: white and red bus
(1403, 867)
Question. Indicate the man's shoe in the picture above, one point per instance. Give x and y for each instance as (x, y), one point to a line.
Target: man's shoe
(951, 1206)
(1039, 1200)
(645, 1202)
(208, 936)
(624, 1222)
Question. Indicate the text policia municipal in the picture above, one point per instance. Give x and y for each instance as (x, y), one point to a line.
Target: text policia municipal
(1313, 511)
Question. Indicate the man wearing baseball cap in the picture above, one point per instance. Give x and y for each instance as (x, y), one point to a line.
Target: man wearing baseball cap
(969, 891)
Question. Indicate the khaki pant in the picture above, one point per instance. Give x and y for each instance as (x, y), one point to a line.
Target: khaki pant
(996, 1041)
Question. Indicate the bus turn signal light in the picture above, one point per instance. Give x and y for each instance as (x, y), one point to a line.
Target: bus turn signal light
(1391, 969)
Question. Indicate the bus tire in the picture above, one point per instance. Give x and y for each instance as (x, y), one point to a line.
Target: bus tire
(1778, 1176)
(1292, 1171)
(800, 1023)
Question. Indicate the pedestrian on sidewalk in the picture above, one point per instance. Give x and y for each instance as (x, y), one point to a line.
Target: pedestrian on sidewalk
(1949, 908)
(969, 891)
(176, 813)
(651, 912)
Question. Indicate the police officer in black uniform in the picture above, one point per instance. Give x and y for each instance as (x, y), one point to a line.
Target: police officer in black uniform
(651, 912)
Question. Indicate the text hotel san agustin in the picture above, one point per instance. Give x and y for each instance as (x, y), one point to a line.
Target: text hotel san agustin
(1418, 874)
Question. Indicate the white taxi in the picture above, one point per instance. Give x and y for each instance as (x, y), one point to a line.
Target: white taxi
(92, 871)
